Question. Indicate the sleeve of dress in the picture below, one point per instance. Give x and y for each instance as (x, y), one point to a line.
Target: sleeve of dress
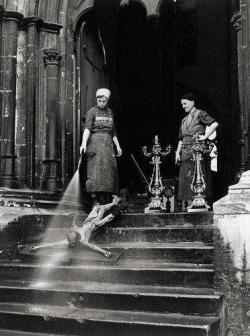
(90, 118)
(205, 118)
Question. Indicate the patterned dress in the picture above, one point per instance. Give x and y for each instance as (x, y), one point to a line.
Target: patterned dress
(195, 122)
(101, 160)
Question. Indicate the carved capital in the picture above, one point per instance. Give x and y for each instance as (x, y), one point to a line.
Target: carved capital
(11, 15)
(237, 21)
(52, 56)
(41, 25)
(50, 27)
(32, 20)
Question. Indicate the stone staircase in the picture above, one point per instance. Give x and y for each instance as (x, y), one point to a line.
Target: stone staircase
(158, 282)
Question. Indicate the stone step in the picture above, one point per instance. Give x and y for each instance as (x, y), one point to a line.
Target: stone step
(161, 220)
(142, 234)
(189, 301)
(169, 233)
(35, 225)
(147, 273)
(181, 252)
(10, 332)
(93, 322)
(125, 220)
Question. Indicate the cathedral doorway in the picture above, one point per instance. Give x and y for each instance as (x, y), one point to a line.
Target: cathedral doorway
(186, 47)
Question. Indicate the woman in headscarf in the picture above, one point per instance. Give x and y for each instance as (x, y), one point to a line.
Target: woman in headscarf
(194, 122)
(99, 138)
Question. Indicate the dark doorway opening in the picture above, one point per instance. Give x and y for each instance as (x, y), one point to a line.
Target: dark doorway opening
(144, 113)
(186, 48)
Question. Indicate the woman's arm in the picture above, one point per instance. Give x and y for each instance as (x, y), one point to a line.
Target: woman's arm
(213, 127)
(90, 118)
(178, 152)
(118, 148)
(85, 138)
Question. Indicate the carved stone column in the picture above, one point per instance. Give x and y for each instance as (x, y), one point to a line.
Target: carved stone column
(20, 113)
(52, 173)
(8, 97)
(32, 24)
(241, 26)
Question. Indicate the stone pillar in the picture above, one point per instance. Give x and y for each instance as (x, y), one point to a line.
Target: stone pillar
(232, 250)
(52, 172)
(32, 36)
(8, 97)
(20, 114)
(240, 23)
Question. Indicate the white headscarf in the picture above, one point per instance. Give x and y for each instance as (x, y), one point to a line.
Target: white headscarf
(103, 92)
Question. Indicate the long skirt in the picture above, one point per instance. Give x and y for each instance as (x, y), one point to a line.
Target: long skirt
(187, 167)
(101, 164)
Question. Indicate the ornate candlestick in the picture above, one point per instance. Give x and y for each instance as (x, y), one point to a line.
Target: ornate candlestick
(198, 184)
(155, 186)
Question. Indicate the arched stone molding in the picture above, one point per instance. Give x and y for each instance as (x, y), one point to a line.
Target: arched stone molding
(81, 7)
(160, 4)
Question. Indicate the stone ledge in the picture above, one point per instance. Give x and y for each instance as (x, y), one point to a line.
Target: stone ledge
(11, 214)
(237, 200)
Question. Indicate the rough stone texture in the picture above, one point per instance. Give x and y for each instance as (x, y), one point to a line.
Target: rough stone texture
(20, 136)
(9, 60)
(238, 199)
(11, 214)
(232, 250)
(231, 281)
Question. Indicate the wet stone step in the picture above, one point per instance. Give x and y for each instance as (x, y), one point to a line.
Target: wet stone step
(36, 225)
(10, 332)
(167, 234)
(117, 296)
(141, 234)
(130, 273)
(161, 220)
(173, 234)
(181, 252)
(89, 321)
(27, 223)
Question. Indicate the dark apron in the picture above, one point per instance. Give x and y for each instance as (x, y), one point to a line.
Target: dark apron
(101, 164)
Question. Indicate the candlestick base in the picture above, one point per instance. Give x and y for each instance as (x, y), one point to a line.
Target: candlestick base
(155, 205)
(199, 204)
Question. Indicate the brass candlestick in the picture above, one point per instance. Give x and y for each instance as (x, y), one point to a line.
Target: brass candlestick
(155, 186)
(198, 185)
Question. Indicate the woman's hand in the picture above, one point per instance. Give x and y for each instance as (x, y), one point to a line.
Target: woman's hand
(177, 158)
(83, 148)
(202, 137)
(119, 151)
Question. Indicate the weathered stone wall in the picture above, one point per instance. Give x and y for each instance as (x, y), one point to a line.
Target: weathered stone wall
(232, 254)
(24, 81)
